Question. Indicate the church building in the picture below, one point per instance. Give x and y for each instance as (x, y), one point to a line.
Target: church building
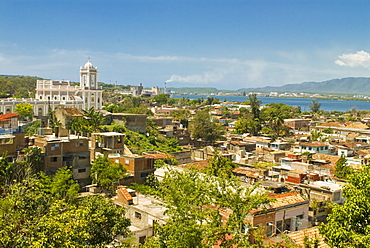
(51, 94)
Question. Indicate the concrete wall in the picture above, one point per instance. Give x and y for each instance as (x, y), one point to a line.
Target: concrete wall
(133, 122)
(183, 157)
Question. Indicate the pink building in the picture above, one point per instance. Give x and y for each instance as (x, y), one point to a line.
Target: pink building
(288, 212)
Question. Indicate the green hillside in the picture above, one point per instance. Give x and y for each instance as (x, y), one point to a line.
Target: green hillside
(17, 86)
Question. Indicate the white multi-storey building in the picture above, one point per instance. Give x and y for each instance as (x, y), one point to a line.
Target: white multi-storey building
(51, 94)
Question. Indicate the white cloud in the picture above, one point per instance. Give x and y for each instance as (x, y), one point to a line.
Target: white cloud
(205, 78)
(219, 72)
(359, 59)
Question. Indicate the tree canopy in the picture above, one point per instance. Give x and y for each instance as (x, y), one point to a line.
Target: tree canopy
(104, 172)
(24, 109)
(274, 114)
(45, 212)
(315, 107)
(17, 86)
(203, 127)
(194, 203)
(220, 166)
(348, 224)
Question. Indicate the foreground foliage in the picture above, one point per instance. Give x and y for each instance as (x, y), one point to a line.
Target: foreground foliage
(42, 211)
(195, 202)
(348, 225)
(104, 172)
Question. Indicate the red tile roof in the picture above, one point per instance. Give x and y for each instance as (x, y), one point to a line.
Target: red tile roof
(299, 237)
(199, 165)
(246, 172)
(286, 199)
(9, 115)
(158, 156)
(316, 144)
(126, 193)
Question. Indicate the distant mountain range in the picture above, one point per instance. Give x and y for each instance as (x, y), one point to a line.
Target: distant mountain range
(351, 85)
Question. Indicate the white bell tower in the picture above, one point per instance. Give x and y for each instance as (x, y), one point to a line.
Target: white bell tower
(89, 89)
(88, 76)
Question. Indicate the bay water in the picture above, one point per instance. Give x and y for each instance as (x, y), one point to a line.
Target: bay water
(326, 104)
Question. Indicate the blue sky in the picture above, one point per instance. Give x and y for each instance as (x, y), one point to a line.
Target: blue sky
(227, 44)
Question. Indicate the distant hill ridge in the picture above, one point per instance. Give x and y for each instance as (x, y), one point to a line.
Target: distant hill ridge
(350, 85)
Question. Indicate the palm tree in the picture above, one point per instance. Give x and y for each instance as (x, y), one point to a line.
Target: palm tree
(94, 119)
(78, 126)
(276, 121)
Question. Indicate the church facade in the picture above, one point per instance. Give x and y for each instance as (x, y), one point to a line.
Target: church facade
(51, 94)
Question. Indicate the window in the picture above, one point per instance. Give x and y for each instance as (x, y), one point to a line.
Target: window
(279, 226)
(54, 147)
(127, 161)
(142, 239)
(287, 224)
(138, 215)
(336, 196)
(144, 174)
(298, 222)
(79, 143)
(54, 159)
(321, 210)
(119, 140)
(81, 170)
(269, 229)
(82, 157)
